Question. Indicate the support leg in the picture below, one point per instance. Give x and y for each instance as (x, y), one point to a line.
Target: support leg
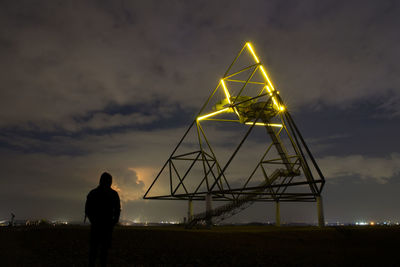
(277, 214)
(321, 220)
(208, 209)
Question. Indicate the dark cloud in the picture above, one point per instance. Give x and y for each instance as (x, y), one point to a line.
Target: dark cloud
(380, 169)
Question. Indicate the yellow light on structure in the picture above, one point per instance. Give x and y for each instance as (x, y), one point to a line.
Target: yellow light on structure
(261, 67)
(212, 114)
(275, 102)
(228, 96)
(232, 108)
(372, 223)
(252, 52)
(265, 124)
(278, 107)
(266, 77)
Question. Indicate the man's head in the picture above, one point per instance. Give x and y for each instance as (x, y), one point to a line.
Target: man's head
(106, 179)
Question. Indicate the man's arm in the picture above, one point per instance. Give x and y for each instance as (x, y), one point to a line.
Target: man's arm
(117, 208)
(88, 207)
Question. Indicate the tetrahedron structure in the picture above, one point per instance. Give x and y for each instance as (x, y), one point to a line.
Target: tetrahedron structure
(242, 147)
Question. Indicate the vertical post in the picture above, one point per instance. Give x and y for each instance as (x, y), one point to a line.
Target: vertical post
(321, 220)
(12, 219)
(208, 209)
(190, 210)
(277, 214)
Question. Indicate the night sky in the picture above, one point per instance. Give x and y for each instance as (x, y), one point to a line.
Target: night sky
(93, 86)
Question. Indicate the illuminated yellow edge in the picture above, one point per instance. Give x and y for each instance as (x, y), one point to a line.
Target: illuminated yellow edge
(212, 114)
(266, 77)
(266, 124)
(270, 90)
(252, 52)
(261, 66)
(228, 96)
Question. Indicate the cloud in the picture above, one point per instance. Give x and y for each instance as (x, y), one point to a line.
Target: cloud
(379, 169)
(102, 120)
(389, 106)
(128, 185)
(68, 179)
(58, 165)
(128, 53)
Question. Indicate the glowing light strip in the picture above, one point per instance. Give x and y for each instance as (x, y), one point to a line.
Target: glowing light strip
(265, 124)
(266, 77)
(279, 107)
(252, 52)
(261, 66)
(212, 114)
(228, 96)
(275, 102)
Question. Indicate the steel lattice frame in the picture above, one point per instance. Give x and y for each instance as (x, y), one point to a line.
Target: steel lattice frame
(274, 187)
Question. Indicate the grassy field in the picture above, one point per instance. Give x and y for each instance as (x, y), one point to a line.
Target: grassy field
(220, 246)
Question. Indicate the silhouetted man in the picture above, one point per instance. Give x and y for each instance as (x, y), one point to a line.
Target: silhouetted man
(103, 209)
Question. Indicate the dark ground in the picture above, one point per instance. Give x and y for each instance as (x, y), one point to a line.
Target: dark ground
(220, 246)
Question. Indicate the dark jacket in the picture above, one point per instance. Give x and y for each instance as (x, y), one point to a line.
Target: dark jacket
(103, 206)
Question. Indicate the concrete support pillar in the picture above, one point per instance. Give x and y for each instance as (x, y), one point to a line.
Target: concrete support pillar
(321, 219)
(208, 209)
(277, 214)
(190, 210)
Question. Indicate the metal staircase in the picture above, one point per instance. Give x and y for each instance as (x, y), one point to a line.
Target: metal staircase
(225, 211)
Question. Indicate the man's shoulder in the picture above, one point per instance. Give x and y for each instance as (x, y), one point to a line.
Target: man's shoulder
(114, 192)
(93, 192)
(102, 192)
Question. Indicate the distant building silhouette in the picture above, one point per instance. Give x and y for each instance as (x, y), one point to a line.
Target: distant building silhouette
(103, 209)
